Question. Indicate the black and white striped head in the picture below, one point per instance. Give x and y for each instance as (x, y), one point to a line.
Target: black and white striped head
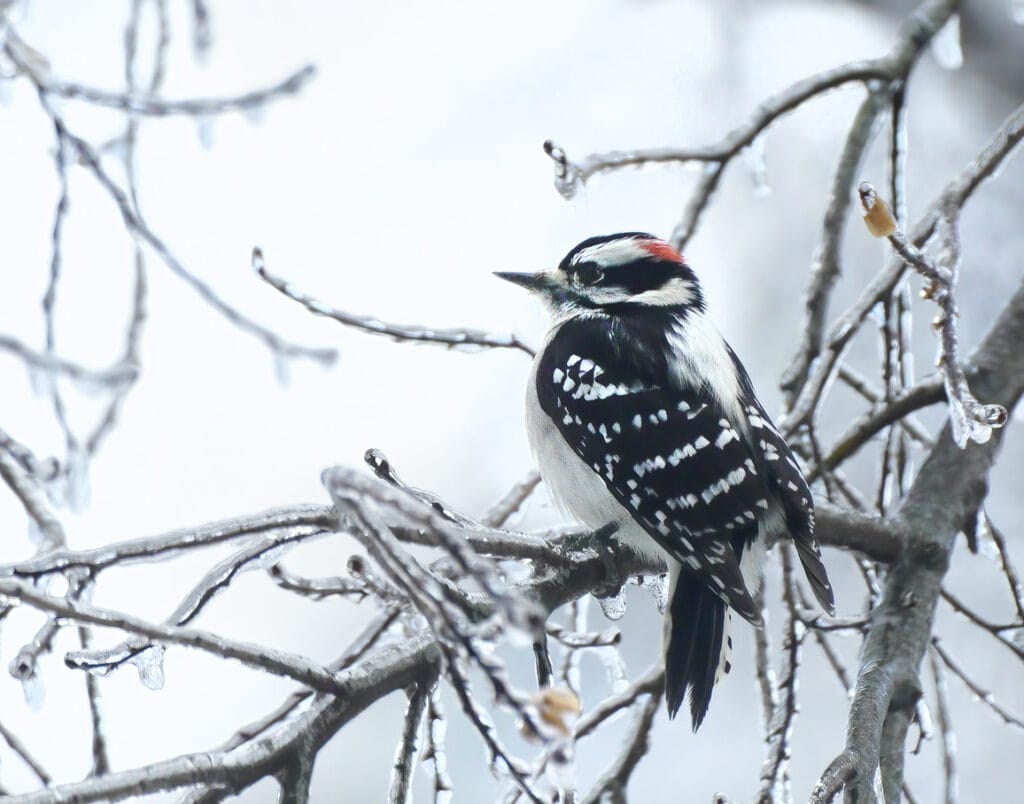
(616, 274)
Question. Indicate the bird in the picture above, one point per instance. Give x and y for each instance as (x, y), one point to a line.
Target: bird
(643, 420)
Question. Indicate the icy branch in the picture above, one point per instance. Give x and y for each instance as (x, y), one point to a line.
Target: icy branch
(458, 339)
(969, 418)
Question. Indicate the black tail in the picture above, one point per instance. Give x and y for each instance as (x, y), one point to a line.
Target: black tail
(695, 638)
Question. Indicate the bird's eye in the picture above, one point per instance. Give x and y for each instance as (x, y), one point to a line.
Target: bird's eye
(589, 274)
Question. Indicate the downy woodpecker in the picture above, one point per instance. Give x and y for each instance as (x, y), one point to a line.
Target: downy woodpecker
(640, 415)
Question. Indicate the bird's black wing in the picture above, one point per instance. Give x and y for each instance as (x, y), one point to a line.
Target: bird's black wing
(669, 455)
(789, 486)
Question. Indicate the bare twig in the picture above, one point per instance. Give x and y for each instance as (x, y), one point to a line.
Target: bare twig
(949, 751)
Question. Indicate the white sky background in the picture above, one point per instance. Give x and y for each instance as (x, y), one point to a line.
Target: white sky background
(406, 173)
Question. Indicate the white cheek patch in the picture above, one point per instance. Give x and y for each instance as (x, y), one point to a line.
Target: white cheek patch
(677, 291)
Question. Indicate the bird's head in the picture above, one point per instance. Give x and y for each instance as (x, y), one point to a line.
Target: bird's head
(615, 274)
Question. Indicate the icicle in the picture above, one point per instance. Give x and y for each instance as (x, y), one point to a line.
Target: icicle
(255, 114)
(150, 664)
(1016, 636)
(40, 380)
(753, 156)
(946, 45)
(282, 368)
(35, 533)
(985, 539)
(205, 127)
(657, 587)
(1017, 11)
(35, 693)
(78, 491)
(615, 606)
(615, 666)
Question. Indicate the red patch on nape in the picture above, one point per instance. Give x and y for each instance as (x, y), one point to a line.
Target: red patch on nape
(662, 251)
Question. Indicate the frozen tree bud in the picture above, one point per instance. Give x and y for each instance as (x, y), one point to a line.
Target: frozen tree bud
(555, 705)
(877, 215)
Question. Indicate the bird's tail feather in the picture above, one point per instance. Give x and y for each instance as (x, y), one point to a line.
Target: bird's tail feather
(697, 645)
(810, 556)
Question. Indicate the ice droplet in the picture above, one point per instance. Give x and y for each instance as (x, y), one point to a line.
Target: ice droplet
(150, 664)
(757, 167)
(946, 45)
(205, 127)
(657, 587)
(615, 606)
(35, 693)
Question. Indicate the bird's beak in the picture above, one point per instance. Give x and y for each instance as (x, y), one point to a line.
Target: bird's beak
(535, 283)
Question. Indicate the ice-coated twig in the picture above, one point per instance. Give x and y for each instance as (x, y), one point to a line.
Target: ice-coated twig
(169, 545)
(18, 747)
(613, 784)
(356, 651)
(215, 581)
(255, 656)
(458, 339)
(698, 202)
(949, 748)
(100, 758)
(501, 760)
(150, 106)
(766, 680)
(33, 499)
(897, 409)
(970, 419)
(352, 489)
(384, 470)
(24, 665)
(354, 495)
(570, 175)
(890, 69)
(996, 630)
(389, 670)
(569, 674)
(956, 193)
(578, 640)
(651, 683)
(826, 265)
(499, 513)
(400, 790)
(947, 489)
(1008, 567)
(484, 539)
(116, 375)
(434, 748)
(318, 588)
(775, 777)
(984, 696)
(43, 470)
(648, 684)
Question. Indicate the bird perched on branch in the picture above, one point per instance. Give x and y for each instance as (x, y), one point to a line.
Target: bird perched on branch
(642, 418)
